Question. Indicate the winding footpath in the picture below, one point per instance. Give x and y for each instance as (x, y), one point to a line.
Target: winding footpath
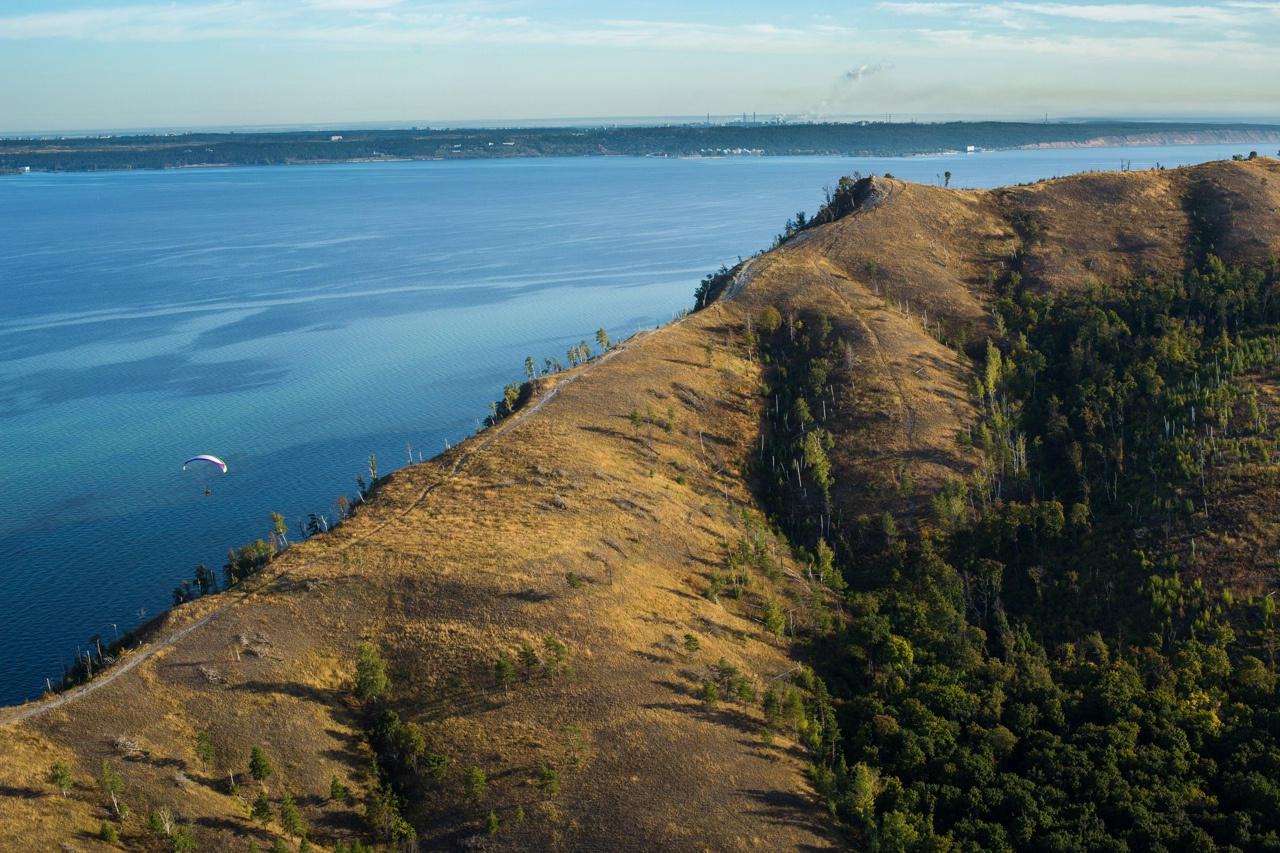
(17, 714)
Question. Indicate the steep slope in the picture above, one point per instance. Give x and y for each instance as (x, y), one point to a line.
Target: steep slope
(621, 512)
(1055, 535)
(443, 573)
(911, 277)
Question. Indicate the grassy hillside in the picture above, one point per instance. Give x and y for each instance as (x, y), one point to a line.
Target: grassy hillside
(575, 523)
(910, 542)
(1046, 491)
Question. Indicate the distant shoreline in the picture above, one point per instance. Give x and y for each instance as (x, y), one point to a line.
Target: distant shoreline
(865, 139)
(1202, 137)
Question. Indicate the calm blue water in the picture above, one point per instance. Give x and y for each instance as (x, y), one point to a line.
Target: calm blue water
(292, 320)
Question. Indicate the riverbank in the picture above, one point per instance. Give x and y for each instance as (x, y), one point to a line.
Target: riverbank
(863, 139)
(1201, 137)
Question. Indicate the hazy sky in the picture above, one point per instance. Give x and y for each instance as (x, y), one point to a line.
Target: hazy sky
(102, 64)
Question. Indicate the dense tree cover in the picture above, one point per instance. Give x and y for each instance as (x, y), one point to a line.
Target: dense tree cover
(711, 286)
(858, 139)
(514, 395)
(1037, 658)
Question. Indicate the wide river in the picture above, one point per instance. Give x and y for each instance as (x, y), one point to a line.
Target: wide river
(293, 320)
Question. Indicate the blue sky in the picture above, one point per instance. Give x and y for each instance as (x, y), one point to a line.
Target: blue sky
(108, 64)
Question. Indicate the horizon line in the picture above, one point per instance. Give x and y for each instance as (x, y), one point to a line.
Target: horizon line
(706, 119)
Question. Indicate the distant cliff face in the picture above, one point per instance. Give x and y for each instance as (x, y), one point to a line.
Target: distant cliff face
(850, 541)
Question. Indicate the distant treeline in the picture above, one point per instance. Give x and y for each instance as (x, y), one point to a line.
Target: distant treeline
(882, 139)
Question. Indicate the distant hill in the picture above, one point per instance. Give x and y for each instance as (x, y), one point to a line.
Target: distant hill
(948, 524)
(883, 139)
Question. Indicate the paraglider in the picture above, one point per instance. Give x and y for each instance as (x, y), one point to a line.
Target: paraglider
(204, 457)
(212, 460)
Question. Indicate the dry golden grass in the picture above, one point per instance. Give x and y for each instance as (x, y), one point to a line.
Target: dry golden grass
(1112, 227)
(442, 571)
(444, 580)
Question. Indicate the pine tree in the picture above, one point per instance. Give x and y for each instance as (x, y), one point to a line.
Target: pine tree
(371, 673)
(60, 777)
(555, 654)
(555, 649)
(110, 783)
(437, 766)
(290, 819)
(337, 790)
(205, 750)
(259, 767)
(279, 530)
(474, 783)
(528, 657)
(774, 621)
(504, 671)
(181, 841)
(412, 744)
(261, 810)
(549, 780)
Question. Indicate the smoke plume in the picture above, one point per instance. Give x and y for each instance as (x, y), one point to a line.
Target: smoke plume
(845, 87)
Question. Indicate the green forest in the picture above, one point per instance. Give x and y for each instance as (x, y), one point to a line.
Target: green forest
(864, 139)
(1038, 657)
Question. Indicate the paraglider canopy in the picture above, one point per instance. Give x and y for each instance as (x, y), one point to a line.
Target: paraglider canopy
(204, 457)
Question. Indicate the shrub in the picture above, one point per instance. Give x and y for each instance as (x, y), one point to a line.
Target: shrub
(181, 841)
(549, 780)
(474, 783)
(371, 673)
(60, 777)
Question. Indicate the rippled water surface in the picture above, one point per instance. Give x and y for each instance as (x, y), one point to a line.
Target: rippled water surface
(293, 320)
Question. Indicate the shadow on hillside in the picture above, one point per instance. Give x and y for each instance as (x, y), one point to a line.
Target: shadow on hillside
(347, 753)
(23, 793)
(529, 596)
(710, 563)
(775, 752)
(652, 658)
(936, 457)
(723, 714)
(680, 593)
(606, 431)
(287, 688)
(217, 784)
(220, 823)
(716, 629)
(782, 808)
(465, 701)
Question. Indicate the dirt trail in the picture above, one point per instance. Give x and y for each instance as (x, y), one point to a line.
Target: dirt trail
(16, 714)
